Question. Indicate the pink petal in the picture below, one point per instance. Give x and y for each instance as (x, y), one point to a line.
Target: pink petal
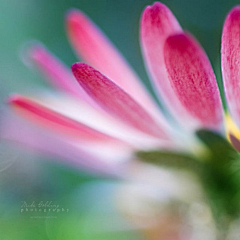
(44, 143)
(157, 24)
(192, 79)
(105, 123)
(231, 61)
(55, 121)
(94, 48)
(55, 71)
(117, 102)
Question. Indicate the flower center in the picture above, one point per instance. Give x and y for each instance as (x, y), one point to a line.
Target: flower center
(232, 132)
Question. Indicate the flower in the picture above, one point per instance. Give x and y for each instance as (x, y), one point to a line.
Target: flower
(102, 115)
(118, 129)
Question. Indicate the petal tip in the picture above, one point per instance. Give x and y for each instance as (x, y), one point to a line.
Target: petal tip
(13, 99)
(73, 17)
(156, 5)
(30, 51)
(74, 67)
(77, 66)
(72, 13)
(233, 18)
(234, 14)
(178, 40)
(154, 9)
(81, 70)
(158, 19)
(36, 51)
(235, 9)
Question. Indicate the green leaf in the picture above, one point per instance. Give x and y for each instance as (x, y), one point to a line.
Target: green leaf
(221, 175)
(171, 160)
(220, 148)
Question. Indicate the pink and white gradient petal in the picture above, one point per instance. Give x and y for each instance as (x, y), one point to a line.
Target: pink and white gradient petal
(105, 123)
(55, 121)
(95, 49)
(116, 101)
(59, 76)
(193, 81)
(157, 24)
(230, 56)
(55, 71)
(44, 143)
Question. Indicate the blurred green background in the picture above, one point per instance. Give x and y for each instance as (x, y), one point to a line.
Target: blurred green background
(27, 178)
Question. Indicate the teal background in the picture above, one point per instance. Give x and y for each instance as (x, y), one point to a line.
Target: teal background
(30, 178)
